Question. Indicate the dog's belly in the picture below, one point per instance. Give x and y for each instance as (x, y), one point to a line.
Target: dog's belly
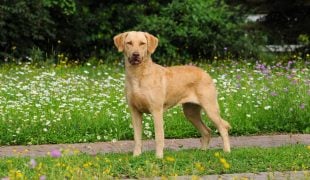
(180, 99)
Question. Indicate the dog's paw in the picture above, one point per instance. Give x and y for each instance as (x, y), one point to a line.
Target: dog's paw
(136, 153)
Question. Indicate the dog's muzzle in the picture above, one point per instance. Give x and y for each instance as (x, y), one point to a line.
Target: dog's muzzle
(135, 59)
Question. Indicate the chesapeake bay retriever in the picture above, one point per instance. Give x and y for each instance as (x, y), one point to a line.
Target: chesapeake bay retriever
(151, 88)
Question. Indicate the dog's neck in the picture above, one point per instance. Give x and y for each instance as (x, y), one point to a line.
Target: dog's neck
(140, 70)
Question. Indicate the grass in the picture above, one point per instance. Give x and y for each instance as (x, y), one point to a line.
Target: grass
(86, 103)
(185, 162)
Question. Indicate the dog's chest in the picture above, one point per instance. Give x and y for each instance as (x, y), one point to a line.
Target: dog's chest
(141, 94)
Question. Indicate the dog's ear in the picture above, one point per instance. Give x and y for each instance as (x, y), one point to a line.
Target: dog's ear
(119, 41)
(152, 43)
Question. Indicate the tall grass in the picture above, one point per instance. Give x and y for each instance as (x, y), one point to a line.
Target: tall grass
(87, 103)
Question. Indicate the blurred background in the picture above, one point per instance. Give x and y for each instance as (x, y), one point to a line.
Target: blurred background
(188, 30)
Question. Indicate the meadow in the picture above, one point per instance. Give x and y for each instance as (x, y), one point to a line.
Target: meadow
(71, 104)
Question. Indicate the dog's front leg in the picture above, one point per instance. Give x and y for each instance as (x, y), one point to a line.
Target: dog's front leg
(159, 132)
(136, 118)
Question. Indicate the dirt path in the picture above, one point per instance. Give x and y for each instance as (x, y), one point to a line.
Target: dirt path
(174, 144)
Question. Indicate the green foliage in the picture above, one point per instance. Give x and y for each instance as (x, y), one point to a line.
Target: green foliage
(24, 25)
(197, 29)
(82, 29)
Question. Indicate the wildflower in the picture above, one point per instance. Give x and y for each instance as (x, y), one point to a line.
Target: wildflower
(58, 41)
(86, 165)
(43, 177)
(222, 160)
(248, 115)
(5, 178)
(194, 177)
(17, 174)
(199, 166)
(170, 159)
(32, 163)
(55, 153)
(273, 93)
(217, 154)
(226, 165)
(267, 107)
(302, 106)
(308, 147)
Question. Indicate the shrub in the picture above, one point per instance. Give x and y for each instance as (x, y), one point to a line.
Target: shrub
(83, 29)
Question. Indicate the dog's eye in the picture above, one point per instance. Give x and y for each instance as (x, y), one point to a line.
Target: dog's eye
(142, 43)
(129, 43)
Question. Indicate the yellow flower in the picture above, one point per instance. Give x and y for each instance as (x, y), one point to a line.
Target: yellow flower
(15, 174)
(170, 159)
(86, 165)
(308, 147)
(107, 171)
(226, 165)
(223, 161)
(199, 166)
(194, 177)
(217, 154)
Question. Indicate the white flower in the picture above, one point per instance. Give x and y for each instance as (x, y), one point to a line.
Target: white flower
(267, 107)
(239, 105)
(215, 81)
(98, 137)
(221, 98)
(45, 129)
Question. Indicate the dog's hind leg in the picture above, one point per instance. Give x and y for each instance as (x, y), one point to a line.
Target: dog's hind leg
(208, 101)
(193, 114)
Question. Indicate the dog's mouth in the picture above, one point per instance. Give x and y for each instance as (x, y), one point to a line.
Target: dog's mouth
(135, 61)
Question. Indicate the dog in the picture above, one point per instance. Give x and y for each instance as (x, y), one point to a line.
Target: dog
(151, 88)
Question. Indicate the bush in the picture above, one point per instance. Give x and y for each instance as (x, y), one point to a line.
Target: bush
(83, 29)
(198, 29)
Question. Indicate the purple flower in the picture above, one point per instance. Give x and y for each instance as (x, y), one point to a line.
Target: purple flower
(43, 177)
(289, 64)
(32, 163)
(5, 178)
(225, 48)
(302, 106)
(273, 93)
(55, 153)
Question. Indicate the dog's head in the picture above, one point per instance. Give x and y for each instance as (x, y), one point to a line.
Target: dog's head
(137, 46)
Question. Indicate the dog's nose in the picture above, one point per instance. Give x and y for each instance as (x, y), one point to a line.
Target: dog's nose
(135, 54)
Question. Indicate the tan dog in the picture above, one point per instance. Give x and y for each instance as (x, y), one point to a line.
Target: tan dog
(151, 88)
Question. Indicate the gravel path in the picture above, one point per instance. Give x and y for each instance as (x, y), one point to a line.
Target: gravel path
(174, 144)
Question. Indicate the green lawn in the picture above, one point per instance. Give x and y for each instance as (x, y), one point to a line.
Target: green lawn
(86, 103)
(185, 162)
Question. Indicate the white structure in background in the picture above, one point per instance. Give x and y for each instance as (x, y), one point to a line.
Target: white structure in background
(272, 48)
(255, 18)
